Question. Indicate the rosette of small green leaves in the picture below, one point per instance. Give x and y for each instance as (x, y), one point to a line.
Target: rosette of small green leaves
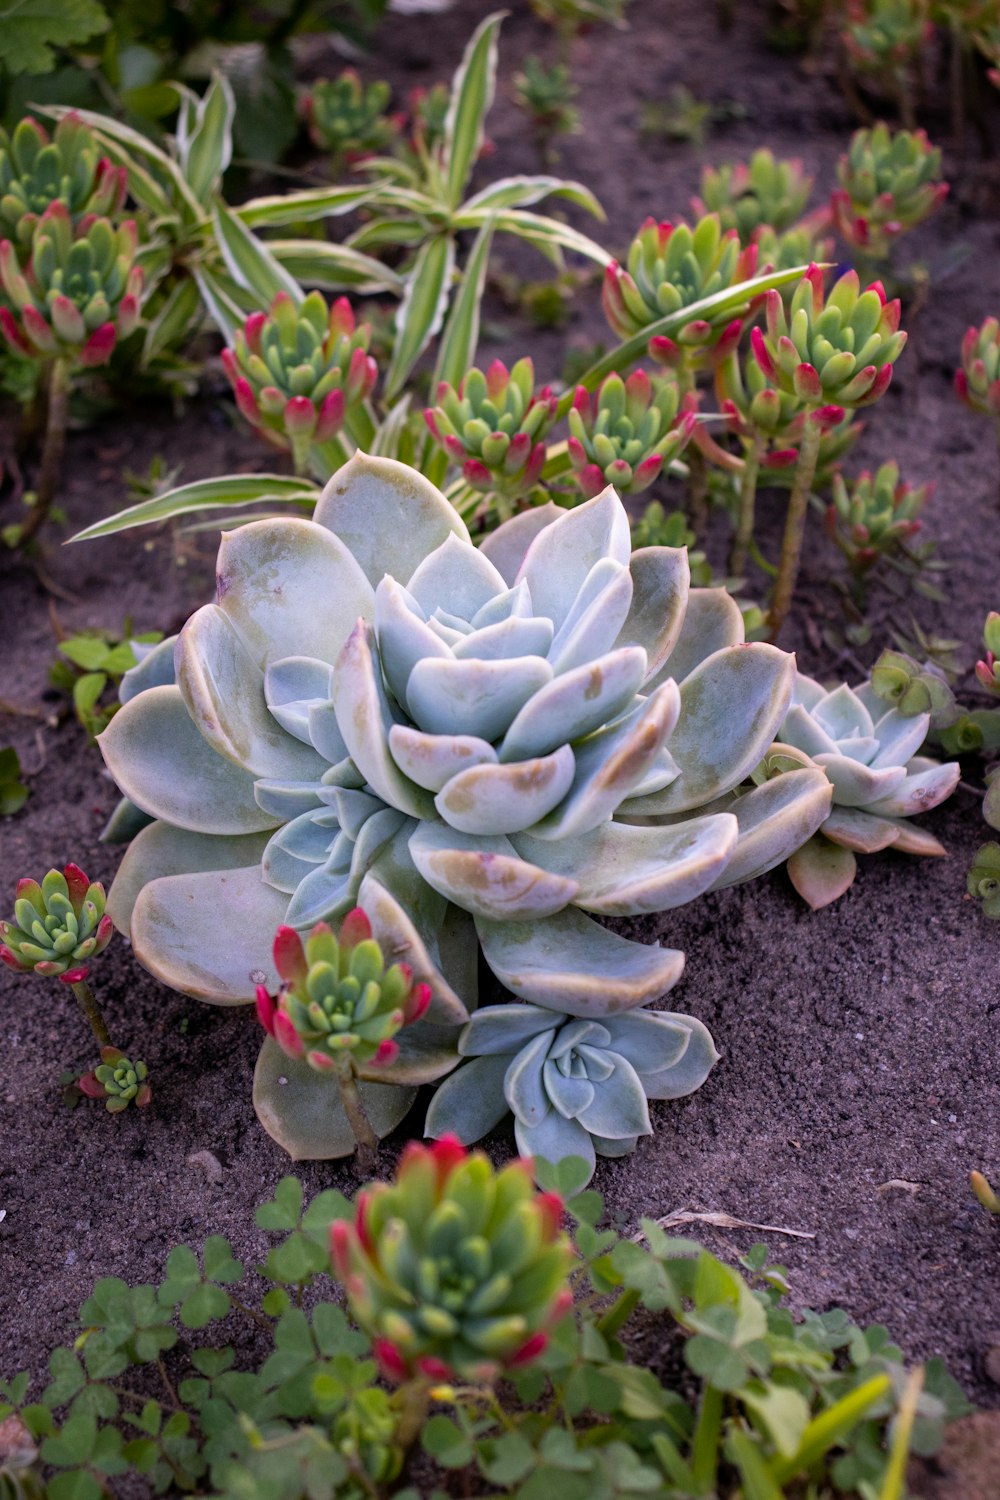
(546, 95)
(37, 169)
(798, 246)
(869, 754)
(455, 1270)
(875, 515)
(78, 292)
(494, 425)
(834, 352)
(884, 38)
(118, 1081)
(57, 925)
(575, 1087)
(913, 687)
(337, 997)
(428, 114)
(669, 267)
(977, 381)
(348, 118)
(625, 432)
(296, 371)
(890, 181)
(983, 882)
(746, 196)
(988, 669)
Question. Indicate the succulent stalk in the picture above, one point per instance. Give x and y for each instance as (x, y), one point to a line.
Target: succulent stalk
(795, 528)
(58, 387)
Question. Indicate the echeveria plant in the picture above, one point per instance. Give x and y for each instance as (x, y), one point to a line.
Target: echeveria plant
(377, 712)
(456, 1271)
(879, 782)
(575, 1087)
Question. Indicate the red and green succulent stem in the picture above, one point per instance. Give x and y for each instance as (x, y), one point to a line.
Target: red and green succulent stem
(91, 1010)
(354, 1109)
(747, 504)
(795, 526)
(60, 379)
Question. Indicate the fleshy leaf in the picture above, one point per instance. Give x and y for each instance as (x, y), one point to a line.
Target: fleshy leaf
(470, 1103)
(506, 798)
(821, 871)
(300, 1108)
(712, 620)
(774, 820)
(161, 849)
(486, 876)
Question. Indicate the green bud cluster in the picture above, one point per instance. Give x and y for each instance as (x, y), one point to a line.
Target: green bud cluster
(625, 432)
(37, 170)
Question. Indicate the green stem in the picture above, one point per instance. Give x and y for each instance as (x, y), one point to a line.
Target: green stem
(413, 1400)
(85, 999)
(610, 1323)
(795, 527)
(745, 518)
(56, 420)
(354, 1109)
(705, 1442)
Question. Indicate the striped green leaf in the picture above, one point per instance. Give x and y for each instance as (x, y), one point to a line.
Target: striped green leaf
(335, 267)
(205, 136)
(522, 192)
(303, 207)
(472, 92)
(547, 235)
(422, 309)
(457, 349)
(220, 301)
(249, 261)
(174, 322)
(398, 233)
(205, 494)
(390, 430)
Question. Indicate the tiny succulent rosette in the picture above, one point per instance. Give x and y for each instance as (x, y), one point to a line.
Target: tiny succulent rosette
(879, 782)
(746, 196)
(494, 426)
(875, 515)
(457, 1271)
(913, 687)
(57, 926)
(499, 743)
(297, 370)
(338, 1000)
(882, 34)
(576, 1087)
(977, 380)
(626, 432)
(118, 1081)
(78, 292)
(670, 267)
(348, 118)
(890, 181)
(988, 668)
(37, 169)
(834, 351)
(983, 882)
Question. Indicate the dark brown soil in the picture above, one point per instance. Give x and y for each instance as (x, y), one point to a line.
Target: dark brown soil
(859, 1079)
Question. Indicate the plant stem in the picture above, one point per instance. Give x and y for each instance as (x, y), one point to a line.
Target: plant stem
(705, 1441)
(85, 999)
(610, 1323)
(748, 500)
(56, 419)
(354, 1109)
(795, 526)
(413, 1399)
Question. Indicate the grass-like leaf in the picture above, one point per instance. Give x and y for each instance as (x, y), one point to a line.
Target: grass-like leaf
(205, 494)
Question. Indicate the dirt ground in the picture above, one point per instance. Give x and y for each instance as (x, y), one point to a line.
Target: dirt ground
(859, 1077)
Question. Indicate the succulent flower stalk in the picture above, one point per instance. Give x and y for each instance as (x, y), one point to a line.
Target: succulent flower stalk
(626, 432)
(456, 1270)
(890, 181)
(118, 1081)
(747, 196)
(297, 371)
(494, 426)
(349, 118)
(37, 169)
(879, 781)
(835, 353)
(876, 516)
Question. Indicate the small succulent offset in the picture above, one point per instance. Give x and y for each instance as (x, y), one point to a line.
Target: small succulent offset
(876, 516)
(339, 1009)
(879, 782)
(78, 292)
(455, 1270)
(496, 743)
(988, 667)
(890, 181)
(626, 432)
(747, 196)
(546, 96)
(118, 1081)
(883, 40)
(671, 267)
(298, 370)
(494, 426)
(913, 687)
(37, 169)
(348, 118)
(58, 925)
(983, 881)
(575, 1087)
(977, 380)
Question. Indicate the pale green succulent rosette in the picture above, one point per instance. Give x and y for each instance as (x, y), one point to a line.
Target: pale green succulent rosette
(378, 713)
(879, 782)
(575, 1087)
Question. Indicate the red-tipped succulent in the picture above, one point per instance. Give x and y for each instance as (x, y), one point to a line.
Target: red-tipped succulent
(977, 380)
(338, 1000)
(494, 426)
(456, 1270)
(626, 432)
(56, 926)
